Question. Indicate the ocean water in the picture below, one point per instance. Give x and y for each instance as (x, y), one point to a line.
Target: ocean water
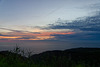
(41, 46)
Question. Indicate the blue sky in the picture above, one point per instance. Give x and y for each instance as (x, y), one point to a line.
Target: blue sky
(41, 12)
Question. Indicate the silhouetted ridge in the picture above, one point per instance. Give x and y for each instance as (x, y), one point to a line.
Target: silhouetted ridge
(86, 57)
(92, 55)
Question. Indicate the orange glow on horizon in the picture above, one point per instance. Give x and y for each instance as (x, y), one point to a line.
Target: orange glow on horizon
(40, 36)
(7, 37)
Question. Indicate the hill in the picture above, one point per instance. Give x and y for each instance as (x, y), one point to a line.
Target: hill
(75, 57)
(86, 56)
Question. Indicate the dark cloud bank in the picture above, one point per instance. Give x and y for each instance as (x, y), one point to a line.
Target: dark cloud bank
(85, 28)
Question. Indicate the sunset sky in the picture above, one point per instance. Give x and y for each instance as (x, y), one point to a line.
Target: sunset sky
(49, 20)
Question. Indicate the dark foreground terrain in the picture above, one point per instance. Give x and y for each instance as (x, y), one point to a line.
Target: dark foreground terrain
(76, 57)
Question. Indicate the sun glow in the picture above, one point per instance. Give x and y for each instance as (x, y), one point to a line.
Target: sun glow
(32, 36)
(7, 37)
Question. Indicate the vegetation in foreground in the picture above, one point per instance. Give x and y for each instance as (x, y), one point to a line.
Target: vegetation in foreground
(78, 57)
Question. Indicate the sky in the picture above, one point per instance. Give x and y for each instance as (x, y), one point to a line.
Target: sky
(50, 20)
(41, 12)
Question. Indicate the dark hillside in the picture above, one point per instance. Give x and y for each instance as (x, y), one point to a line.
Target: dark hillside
(88, 56)
(76, 57)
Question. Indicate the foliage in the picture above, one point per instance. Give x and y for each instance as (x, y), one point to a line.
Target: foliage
(16, 58)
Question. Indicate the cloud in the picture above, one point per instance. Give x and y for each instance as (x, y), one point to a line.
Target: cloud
(95, 6)
(19, 31)
(85, 28)
(11, 30)
(18, 35)
(91, 23)
(3, 35)
(78, 36)
(27, 37)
